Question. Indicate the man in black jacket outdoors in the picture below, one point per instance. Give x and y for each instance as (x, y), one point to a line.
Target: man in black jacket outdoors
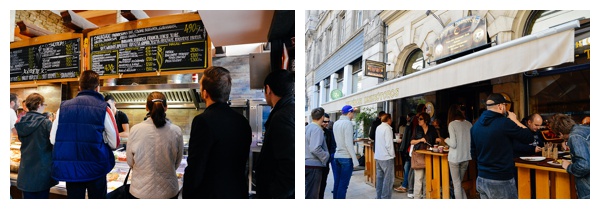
(275, 165)
(492, 137)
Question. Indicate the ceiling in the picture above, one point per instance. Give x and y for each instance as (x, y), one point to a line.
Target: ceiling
(225, 27)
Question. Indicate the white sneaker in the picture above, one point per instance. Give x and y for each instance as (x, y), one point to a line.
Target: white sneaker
(409, 195)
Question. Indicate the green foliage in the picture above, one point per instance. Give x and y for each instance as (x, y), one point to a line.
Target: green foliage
(365, 117)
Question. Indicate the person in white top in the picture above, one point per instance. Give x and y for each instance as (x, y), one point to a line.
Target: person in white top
(14, 105)
(154, 151)
(459, 141)
(384, 157)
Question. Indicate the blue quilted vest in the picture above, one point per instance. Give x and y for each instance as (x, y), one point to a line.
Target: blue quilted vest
(80, 153)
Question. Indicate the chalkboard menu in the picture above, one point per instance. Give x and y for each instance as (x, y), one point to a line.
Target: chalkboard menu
(179, 46)
(58, 59)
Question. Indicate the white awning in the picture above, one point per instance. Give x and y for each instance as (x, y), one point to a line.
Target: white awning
(547, 48)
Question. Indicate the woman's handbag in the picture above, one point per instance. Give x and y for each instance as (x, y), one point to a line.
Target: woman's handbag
(123, 191)
(417, 160)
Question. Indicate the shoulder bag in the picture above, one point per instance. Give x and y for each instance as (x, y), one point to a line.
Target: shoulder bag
(123, 191)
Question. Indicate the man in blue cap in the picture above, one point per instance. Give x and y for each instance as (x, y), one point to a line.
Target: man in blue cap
(345, 156)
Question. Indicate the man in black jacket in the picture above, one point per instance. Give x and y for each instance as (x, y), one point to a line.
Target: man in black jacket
(374, 125)
(492, 137)
(219, 144)
(330, 141)
(275, 165)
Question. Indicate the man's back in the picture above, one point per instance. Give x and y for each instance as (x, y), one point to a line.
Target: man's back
(218, 151)
(275, 167)
(80, 153)
(491, 145)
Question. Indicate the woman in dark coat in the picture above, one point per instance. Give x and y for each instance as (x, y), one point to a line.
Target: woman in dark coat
(36, 150)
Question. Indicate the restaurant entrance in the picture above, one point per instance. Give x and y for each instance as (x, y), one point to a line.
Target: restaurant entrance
(471, 98)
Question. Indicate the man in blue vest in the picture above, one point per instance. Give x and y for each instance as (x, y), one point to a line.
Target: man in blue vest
(84, 134)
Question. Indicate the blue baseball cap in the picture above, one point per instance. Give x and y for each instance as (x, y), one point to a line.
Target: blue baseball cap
(346, 109)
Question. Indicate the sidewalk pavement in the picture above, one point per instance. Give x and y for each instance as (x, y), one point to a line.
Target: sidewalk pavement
(359, 189)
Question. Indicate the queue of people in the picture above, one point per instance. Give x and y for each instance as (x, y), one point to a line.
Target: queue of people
(77, 146)
(484, 142)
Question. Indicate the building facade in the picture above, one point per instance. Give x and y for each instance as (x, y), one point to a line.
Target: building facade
(537, 59)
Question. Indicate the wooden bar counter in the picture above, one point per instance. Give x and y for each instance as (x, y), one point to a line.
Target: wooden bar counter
(437, 175)
(551, 182)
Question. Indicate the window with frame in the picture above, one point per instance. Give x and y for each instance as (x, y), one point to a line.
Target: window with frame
(356, 69)
(358, 19)
(340, 79)
(327, 89)
(414, 63)
(342, 30)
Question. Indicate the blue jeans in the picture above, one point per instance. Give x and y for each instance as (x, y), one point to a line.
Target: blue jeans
(385, 178)
(496, 189)
(341, 176)
(406, 170)
(96, 189)
(312, 182)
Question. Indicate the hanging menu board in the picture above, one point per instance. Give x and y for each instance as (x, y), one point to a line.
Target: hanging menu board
(178, 46)
(52, 60)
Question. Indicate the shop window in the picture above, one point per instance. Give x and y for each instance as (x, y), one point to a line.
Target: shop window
(567, 93)
(540, 20)
(414, 63)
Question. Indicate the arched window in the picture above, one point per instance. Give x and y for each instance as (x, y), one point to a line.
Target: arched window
(414, 63)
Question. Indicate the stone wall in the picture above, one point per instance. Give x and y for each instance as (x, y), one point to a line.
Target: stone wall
(42, 18)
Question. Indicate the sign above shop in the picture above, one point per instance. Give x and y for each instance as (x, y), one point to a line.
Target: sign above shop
(374, 68)
(464, 34)
(336, 94)
(43, 60)
(176, 46)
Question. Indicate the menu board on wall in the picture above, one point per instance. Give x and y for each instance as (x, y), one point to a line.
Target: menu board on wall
(53, 60)
(179, 46)
(464, 34)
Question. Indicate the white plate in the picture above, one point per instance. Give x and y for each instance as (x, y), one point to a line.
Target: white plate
(553, 163)
(533, 158)
(567, 156)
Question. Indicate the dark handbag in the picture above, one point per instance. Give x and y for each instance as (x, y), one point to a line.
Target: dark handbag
(122, 192)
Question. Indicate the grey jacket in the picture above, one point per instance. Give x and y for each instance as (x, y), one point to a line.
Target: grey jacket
(315, 148)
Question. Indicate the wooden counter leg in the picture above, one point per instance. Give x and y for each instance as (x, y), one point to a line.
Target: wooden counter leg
(428, 173)
(524, 186)
(562, 185)
(542, 184)
(446, 178)
(435, 182)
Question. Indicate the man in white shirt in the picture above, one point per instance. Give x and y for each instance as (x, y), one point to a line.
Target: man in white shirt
(345, 156)
(384, 158)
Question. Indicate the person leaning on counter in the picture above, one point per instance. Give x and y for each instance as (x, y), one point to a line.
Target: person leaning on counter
(578, 141)
(83, 134)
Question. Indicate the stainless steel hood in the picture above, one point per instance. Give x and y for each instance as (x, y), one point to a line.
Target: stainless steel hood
(179, 95)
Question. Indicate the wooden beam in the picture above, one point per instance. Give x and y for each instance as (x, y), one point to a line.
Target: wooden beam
(73, 21)
(134, 14)
(96, 13)
(31, 30)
